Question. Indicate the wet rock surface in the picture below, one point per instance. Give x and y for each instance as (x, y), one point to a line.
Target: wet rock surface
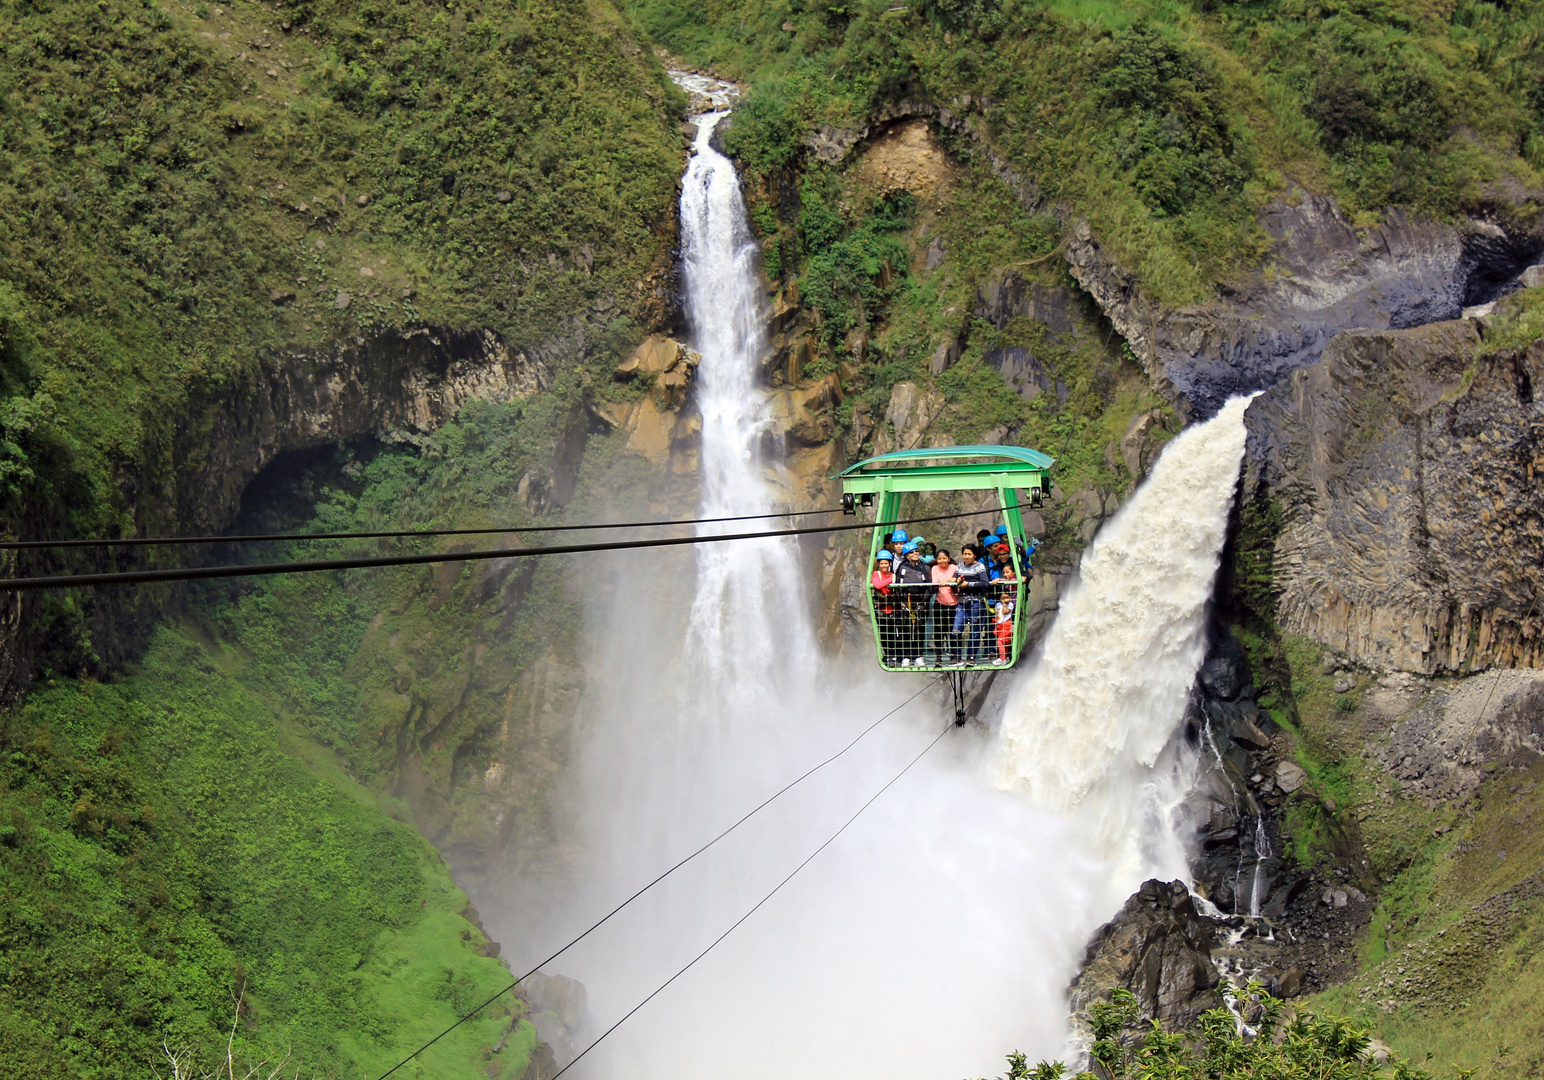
(1159, 948)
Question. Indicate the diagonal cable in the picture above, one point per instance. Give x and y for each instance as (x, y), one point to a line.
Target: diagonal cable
(606, 918)
(735, 925)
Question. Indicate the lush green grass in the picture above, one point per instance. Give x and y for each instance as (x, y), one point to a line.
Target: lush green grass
(164, 852)
(1457, 906)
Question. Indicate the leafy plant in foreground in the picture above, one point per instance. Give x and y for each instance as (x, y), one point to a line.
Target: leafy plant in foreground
(1257, 1037)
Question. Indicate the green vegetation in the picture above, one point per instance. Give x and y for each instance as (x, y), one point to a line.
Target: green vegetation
(1298, 1044)
(187, 189)
(1517, 323)
(165, 851)
(1449, 965)
(226, 818)
(1166, 124)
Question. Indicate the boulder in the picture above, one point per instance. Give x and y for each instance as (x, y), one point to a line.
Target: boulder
(1143, 440)
(1160, 948)
(564, 997)
(1289, 776)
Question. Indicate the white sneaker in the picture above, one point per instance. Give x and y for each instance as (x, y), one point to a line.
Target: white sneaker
(906, 663)
(917, 662)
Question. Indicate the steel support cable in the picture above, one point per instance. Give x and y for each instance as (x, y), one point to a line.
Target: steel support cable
(775, 890)
(672, 869)
(204, 573)
(159, 541)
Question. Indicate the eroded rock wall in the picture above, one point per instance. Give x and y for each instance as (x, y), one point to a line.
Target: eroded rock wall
(1321, 277)
(1405, 466)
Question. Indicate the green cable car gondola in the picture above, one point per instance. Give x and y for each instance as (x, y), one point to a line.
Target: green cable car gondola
(915, 625)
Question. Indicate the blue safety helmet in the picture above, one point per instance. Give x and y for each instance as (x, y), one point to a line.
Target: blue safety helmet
(919, 540)
(886, 554)
(910, 545)
(1002, 530)
(898, 536)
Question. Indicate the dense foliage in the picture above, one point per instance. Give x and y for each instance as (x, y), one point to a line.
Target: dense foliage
(1257, 1037)
(1165, 124)
(187, 189)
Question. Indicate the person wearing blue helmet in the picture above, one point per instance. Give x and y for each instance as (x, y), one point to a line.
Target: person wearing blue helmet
(914, 582)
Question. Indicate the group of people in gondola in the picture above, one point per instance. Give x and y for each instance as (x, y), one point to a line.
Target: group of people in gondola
(935, 611)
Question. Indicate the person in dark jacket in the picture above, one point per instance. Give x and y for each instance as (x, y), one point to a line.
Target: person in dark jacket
(914, 580)
(970, 614)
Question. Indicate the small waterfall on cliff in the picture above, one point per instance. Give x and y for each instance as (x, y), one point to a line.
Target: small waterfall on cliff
(1089, 734)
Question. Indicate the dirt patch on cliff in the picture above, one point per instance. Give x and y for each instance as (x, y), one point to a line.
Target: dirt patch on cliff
(906, 158)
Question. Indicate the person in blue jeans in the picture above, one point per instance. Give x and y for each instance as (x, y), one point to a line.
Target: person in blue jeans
(970, 616)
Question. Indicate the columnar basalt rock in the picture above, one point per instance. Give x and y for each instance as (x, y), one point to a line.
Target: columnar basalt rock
(1405, 469)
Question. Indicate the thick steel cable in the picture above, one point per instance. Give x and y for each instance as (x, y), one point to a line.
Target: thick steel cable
(607, 917)
(157, 541)
(776, 889)
(204, 573)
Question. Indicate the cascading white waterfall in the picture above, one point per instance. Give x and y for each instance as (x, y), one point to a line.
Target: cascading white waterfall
(1089, 734)
(744, 631)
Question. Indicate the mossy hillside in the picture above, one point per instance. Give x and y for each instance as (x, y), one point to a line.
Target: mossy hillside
(351, 703)
(161, 185)
(426, 664)
(1452, 964)
(1166, 125)
(164, 852)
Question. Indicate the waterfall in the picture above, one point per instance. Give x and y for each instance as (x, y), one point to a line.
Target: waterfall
(940, 931)
(1089, 734)
(1257, 887)
(744, 634)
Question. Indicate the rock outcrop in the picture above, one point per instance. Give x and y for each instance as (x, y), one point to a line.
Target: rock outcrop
(1404, 471)
(408, 382)
(1158, 947)
(399, 385)
(1321, 276)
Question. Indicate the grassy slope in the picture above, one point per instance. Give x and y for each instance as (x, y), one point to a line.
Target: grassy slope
(164, 844)
(164, 166)
(1450, 966)
(157, 183)
(238, 819)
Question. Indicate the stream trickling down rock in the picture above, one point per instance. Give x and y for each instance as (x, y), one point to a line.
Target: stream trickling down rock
(941, 930)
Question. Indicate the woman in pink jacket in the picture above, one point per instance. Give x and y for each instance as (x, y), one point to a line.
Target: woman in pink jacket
(941, 608)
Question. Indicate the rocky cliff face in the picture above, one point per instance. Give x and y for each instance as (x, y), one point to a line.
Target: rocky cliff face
(1321, 277)
(400, 385)
(1404, 466)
